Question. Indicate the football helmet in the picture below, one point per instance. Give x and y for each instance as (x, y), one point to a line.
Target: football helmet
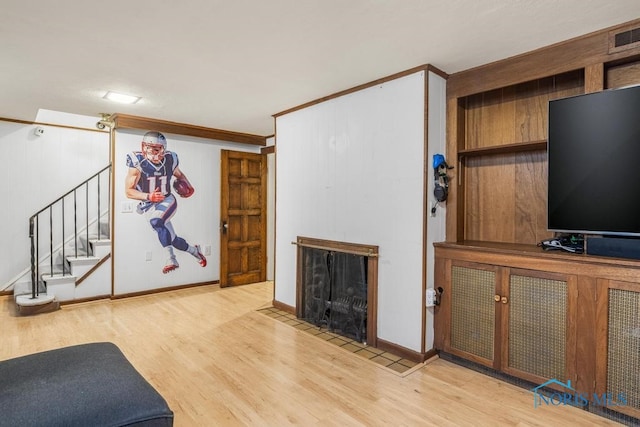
(154, 144)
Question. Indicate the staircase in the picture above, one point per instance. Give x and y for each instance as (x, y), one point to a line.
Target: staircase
(70, 248)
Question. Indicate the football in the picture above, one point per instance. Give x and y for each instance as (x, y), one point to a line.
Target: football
(183, 188)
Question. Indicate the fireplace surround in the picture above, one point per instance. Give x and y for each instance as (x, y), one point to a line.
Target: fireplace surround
(336, 287)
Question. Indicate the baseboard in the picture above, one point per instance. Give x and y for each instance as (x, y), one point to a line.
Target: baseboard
(284, 307)
(167, 289)
(404, 352)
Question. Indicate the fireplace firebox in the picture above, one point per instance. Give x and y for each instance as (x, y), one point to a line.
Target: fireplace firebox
(336, 287)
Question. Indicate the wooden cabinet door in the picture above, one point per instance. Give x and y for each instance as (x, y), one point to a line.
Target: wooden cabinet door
(471, 312)
(618, 372)
(536, 331)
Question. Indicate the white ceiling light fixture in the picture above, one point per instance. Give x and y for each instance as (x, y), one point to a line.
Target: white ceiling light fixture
(121, 98)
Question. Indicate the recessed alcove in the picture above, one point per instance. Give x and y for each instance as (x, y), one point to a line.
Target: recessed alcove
(337, 286)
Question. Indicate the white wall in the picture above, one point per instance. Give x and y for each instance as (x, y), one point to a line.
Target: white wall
(436, 225)
(352, 169)
(36, 171)
(271, 206)
(197, 218)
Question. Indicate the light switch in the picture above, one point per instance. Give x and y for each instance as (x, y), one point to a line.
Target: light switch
(126, 207)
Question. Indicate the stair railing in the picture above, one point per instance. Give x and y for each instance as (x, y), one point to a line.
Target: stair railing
(58, 221)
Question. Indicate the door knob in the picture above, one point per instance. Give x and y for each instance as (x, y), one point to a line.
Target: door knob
(505, 300)
(496, 298)
(224, 227)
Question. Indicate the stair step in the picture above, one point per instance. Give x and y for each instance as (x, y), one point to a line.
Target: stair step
(100, 247)
(43, 303)
(70, 251)
(26, 300)
(58, 279)
(61, 285)
(82, 264)
(24, 288)
(83, 260)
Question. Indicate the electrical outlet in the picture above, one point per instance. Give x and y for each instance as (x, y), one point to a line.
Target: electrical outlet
(149, 256)
(430, 297)
(207, 250)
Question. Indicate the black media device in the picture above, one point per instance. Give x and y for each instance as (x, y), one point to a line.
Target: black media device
(594, 169)
(619, 247)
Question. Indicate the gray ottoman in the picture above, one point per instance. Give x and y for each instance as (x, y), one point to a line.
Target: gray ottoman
(83, 385)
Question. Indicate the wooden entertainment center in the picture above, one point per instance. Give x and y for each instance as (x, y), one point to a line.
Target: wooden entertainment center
(505, 303)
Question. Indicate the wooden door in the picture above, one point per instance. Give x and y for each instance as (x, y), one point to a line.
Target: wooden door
(243, 225)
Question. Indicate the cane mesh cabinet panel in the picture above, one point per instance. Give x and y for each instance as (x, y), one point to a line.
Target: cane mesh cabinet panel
(473, 311)
(537, 325)
(623, 367)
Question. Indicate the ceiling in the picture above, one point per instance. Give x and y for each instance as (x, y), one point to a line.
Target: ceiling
(232, 64)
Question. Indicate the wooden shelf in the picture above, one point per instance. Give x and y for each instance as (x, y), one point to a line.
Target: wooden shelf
(501, 149)
(535, 258)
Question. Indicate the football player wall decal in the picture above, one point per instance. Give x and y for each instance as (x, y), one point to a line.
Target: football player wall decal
(183, 188)
(148, 180)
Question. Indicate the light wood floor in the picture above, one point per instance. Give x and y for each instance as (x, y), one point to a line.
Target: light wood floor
(219, 362)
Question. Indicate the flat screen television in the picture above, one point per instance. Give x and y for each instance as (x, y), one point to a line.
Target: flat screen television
(593, 153)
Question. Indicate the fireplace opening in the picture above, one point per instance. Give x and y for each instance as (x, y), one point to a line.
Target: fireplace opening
(335, 287)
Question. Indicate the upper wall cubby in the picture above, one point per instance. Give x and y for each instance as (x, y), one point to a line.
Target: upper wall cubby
(502, 159)
(621, 75)
(513, 118)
